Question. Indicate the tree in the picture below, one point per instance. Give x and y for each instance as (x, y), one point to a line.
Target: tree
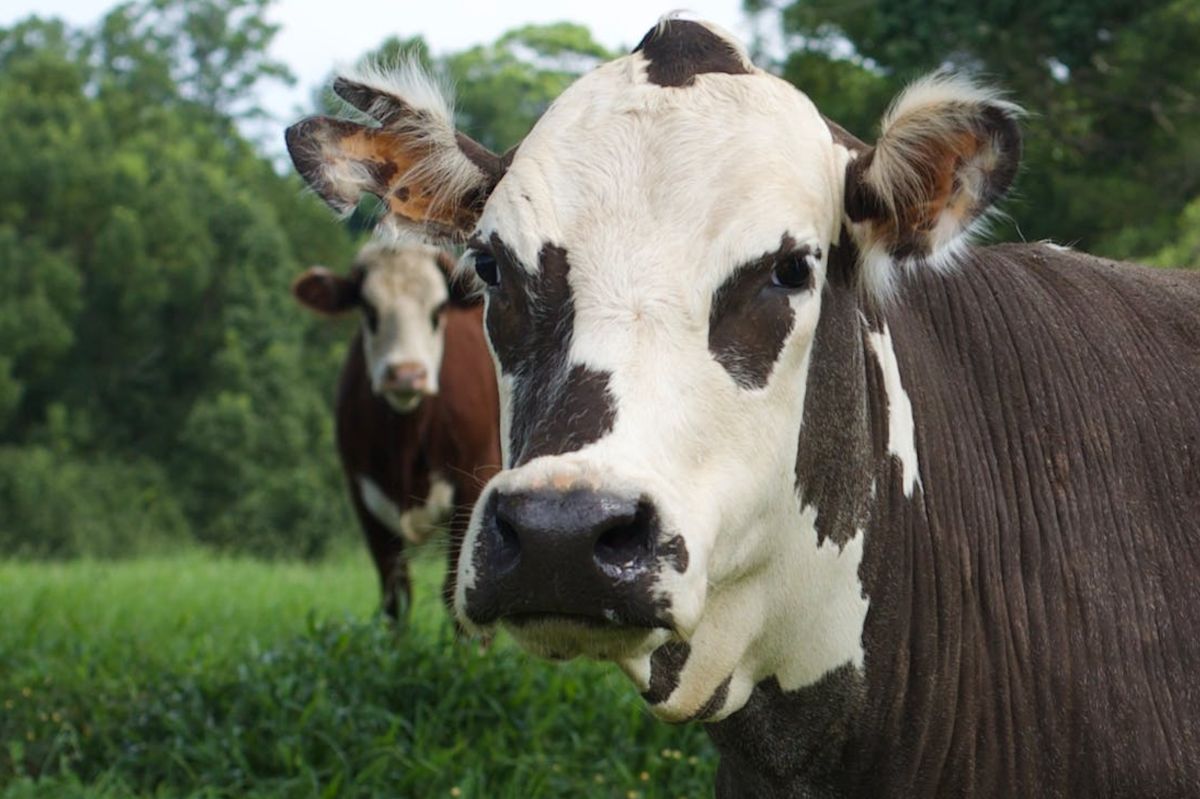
(1111, 150)
(156, 380)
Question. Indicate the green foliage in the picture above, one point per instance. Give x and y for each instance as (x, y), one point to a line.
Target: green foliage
(1112, 153)
(275, 705)
(148, 343)
(1185, 251)
(57, 503)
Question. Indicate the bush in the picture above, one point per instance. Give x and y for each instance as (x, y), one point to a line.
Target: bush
(53, 505)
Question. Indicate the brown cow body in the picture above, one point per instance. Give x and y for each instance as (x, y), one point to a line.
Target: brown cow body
(417, 408)
(452, 435)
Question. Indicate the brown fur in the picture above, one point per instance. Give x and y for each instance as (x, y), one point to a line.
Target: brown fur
(455, 433)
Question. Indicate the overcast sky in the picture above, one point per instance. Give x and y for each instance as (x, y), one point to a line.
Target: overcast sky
(317, 35)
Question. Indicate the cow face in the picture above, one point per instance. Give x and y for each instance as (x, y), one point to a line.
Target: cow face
(656, 262)
(402, 293)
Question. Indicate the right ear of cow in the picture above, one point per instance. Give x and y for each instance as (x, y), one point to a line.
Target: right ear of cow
(327, 293)
(428, 175)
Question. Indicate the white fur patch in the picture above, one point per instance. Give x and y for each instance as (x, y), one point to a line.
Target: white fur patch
(901, 428)
(418, 525)
(415, 525)
(380, 506)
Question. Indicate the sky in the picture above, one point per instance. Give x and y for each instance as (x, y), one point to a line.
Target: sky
(316, 36)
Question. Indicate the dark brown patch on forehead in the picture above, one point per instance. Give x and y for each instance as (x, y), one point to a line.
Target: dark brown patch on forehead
(679, 50)
(750, 320)
(556, 406)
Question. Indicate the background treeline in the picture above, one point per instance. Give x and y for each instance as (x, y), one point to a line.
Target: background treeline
(158, 386)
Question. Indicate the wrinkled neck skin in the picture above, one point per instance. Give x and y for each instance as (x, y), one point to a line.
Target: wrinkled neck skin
(800, 684)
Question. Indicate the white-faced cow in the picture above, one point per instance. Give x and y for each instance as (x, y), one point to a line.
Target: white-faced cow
(898, 516)
(416, 402)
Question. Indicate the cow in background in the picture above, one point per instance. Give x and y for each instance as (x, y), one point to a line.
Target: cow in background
(416, 402)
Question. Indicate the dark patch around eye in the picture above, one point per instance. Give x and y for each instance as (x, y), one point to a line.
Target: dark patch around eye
(556, 407)
(751, 317)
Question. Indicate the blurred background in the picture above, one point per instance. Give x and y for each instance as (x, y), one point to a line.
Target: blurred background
(166, 420)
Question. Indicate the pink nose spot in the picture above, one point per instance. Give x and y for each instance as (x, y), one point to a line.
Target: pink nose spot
(406, 377)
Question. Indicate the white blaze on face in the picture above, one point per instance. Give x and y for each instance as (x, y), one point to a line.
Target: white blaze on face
(402, 292)
(901, 430)
(658, 196)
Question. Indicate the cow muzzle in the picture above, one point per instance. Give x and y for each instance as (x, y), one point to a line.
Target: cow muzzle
(404, 385)
(569, 559)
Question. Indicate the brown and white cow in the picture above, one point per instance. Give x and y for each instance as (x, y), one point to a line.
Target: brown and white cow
(895, 514)
(416, 402)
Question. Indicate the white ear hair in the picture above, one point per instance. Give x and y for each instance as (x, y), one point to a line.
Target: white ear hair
(948, 149)
(409, 100)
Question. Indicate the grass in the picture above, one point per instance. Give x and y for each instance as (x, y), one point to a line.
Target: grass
(203, 677)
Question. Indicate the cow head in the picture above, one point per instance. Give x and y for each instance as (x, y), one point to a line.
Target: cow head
(659, 256)
(401, 292)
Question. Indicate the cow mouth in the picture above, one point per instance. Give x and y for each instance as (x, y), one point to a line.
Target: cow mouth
(403, 401)
(562, 636)
(609, 620)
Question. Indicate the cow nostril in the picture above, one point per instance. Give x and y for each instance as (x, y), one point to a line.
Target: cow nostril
(508, 550)
(629, 543)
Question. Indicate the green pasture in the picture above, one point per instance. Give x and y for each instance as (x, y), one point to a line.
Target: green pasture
(198, 676)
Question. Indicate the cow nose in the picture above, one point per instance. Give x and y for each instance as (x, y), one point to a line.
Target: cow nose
(579, 553)
(406, 376)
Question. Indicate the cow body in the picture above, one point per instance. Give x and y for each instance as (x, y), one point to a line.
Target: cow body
(895, 515)
(410, 472)
(416, 405)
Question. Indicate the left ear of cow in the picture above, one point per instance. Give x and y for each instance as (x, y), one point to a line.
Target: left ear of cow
(326, 293)
(948, 150)
(428, 175)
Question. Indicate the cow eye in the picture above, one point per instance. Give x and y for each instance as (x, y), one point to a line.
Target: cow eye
(794, 270)
(487, 268)
(370, 316)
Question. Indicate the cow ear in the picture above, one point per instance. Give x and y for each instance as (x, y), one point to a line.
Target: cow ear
(429, 176)
(327, 293)
(463, 291)
(947, 152)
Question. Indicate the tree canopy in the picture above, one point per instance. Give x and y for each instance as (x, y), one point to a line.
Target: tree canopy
(1113, 136)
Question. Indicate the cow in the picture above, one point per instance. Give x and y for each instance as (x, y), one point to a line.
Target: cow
(416, 408)
(893, 513)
